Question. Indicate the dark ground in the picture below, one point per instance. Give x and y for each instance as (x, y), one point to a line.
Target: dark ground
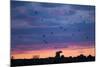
(51, 60)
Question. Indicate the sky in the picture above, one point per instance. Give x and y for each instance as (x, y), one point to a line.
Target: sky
(43, 28)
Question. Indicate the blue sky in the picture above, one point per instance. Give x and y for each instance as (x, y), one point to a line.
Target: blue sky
(35, 24)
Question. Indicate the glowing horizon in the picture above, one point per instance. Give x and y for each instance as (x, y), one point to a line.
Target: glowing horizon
(51, 53)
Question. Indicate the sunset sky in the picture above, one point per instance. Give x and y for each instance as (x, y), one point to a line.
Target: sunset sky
(44, 28)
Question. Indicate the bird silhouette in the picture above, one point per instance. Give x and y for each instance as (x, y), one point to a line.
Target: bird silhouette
(51, 32)
(45, 41)
(61, 27)
(36, 12)
(44, 35)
